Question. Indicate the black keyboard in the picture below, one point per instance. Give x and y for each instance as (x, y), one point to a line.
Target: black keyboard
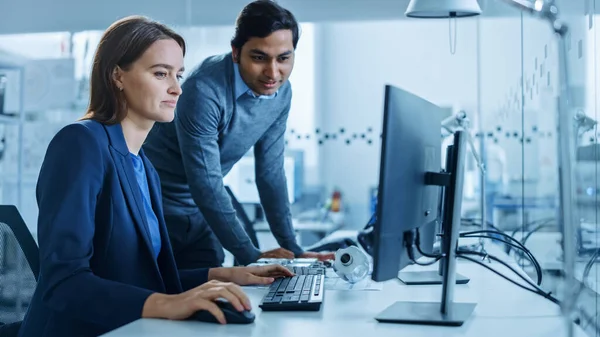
(297, 293)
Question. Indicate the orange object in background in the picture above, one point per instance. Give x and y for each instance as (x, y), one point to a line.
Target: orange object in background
(336, 201)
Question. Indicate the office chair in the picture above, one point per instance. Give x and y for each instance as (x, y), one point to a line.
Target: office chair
(18, 276)
(243, 216)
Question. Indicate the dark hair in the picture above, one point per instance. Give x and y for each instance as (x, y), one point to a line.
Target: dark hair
(122, 44)
(261, 18)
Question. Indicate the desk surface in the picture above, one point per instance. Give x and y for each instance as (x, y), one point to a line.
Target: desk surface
(502, 310)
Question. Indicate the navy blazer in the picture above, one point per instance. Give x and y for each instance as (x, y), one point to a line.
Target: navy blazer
(96, 257)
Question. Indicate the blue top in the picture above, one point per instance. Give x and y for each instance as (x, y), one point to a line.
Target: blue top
(217, 121)
(140, 175)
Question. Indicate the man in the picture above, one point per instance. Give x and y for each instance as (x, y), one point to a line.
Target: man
(230, 103)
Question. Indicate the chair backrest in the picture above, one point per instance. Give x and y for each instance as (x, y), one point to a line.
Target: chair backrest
(243, 216)
(19, 265)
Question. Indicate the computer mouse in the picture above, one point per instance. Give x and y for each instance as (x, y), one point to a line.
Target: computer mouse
(232, 316)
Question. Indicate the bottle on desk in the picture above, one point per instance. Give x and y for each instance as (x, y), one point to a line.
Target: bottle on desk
(332, 210)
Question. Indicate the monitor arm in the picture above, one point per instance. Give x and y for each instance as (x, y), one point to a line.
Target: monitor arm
(584, 123)
(459, 122)
(544, 9)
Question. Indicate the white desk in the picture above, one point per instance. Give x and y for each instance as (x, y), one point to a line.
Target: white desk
(503, 310)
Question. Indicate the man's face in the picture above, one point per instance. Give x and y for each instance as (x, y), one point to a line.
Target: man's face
(266, 63)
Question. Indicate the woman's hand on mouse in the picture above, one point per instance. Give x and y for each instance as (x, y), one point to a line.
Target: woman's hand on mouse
(250, 275)
(182, 306)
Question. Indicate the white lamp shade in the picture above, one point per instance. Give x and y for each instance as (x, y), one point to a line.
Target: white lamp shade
(442, 8)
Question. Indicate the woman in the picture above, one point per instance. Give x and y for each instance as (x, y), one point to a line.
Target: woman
(105, 255)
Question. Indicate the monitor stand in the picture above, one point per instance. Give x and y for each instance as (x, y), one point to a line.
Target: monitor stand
(419, 278)
(426, 313)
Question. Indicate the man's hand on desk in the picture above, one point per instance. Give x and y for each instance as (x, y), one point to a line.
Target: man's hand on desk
(279, 253)
(282, 253)
(320, 256)
(249, 275)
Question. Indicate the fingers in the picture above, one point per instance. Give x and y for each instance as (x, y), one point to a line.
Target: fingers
(207, 285)
(253, 279)
(222, 292)
(213, 309)
(276, 270)
(280, 253)
(232, 293)
(286, 253)
(270, 271)
(241, 295)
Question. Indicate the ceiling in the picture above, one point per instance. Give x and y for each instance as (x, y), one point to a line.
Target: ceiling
(27, 16)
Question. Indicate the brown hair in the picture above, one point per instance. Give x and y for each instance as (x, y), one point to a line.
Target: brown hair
(122, 44)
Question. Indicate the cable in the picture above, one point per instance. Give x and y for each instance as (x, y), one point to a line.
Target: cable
(512, 242)
(588, 267)
(510, 238)
(538, 269)
(411, 239)
(506, 236)
(477, 234)
(411, 256)
(548, 296)
(544, 224)
(418, 245)
(520, 245)
(536, 290)
(522, 254)
(517, 245)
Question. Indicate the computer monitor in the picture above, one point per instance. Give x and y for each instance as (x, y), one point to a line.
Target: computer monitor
(408, 201)
(410, 147)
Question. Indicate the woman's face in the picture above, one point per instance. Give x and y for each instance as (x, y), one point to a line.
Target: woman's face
(151, 84)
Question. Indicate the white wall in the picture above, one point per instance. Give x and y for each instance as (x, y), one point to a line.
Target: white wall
(355, 61)
(302, 114)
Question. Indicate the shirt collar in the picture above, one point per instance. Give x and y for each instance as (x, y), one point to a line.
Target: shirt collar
(241, 88)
